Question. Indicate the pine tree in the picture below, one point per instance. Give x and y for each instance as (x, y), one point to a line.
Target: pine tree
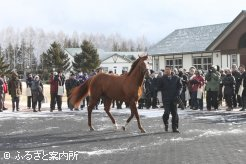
(88, 59)
(55, 58)
(4, 67)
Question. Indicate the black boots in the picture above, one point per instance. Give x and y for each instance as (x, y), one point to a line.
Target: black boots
(175, 130)
(166, 128)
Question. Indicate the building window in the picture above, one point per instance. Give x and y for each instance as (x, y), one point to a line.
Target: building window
(174, 63)
(105, 69)
(202, 63)
(234, 59)
(156, 62)
(125, 69)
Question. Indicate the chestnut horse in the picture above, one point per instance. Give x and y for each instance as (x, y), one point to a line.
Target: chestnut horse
(127, 88)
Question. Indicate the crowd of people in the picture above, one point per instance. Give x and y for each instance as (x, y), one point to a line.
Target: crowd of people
(217, 84)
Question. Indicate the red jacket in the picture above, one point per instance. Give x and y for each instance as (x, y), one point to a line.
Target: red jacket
(54, 82)
(5, 87)
(200, 80)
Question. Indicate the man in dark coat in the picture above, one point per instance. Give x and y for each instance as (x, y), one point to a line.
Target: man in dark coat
(151, 90)
(236, 74)
(15, 90)
(28, 85)
(70, 84)
(171, 88)
(229, 88)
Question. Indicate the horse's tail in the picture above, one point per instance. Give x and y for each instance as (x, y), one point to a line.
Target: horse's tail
(79, 93)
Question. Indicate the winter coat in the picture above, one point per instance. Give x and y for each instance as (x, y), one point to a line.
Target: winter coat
(243, 77)
(171, 88)
(56, 81)
(29, 82)
(229, 84)
(184, 80)
(196, 82)
(237, 76)
(70, 84)
(37, 90)
(1, 86)
(213, 81)
(15, 87)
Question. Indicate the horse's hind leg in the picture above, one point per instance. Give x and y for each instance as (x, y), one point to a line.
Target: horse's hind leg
(107, 104)
(92, 104)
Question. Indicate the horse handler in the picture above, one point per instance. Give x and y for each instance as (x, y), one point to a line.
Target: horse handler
(171, 87)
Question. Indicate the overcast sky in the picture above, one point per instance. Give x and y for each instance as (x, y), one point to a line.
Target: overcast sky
(153, 19)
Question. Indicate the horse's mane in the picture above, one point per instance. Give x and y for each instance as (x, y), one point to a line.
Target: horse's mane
(134, 65)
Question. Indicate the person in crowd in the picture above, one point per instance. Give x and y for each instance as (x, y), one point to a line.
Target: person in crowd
(229, 88)
(119, 103)
(243, 83)
(37, 93)
(69, 85)
(190, 75)
(5, 91)
(151, 90)
(171, 88)
(159, 97)
(81, 78)
(110, 72)
(197, 82)
(56, 79)
(29, 81)
(1, 93)
(184, 79)
(15, 90)
(212, 87)
(220, 93)
(236, 74)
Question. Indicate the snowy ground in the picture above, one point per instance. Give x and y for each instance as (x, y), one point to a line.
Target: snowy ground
(206, 137)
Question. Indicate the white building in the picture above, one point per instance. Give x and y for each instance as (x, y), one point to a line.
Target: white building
(114, 61)
(219, 44)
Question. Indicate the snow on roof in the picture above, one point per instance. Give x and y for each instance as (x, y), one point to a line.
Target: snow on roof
(193, 39)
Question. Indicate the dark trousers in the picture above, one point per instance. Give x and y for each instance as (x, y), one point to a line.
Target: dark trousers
(212, 99)
(237, 100)
(83, 102)
(182, 96)
(243, 98)
(15, 103)
(171, 107)
(29, 101)
(55, 99)
(229, 100)
(1, 101)
(35, 103)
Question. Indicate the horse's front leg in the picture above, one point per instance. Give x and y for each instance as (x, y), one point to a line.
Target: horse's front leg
(90, 108)
(134, 112)
(138, 119)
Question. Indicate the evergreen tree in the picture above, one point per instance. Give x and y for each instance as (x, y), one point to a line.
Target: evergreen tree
(4, 67)
(55, 58)
(88, 59)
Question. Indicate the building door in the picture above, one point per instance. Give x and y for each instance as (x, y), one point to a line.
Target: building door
(242, 56)
(242, 49)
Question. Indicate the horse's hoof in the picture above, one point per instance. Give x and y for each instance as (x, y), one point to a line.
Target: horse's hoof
(115, 127)
(123, 128)
(143, 131)
(92, 129)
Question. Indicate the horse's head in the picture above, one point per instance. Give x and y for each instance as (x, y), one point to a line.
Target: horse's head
(143, 64)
